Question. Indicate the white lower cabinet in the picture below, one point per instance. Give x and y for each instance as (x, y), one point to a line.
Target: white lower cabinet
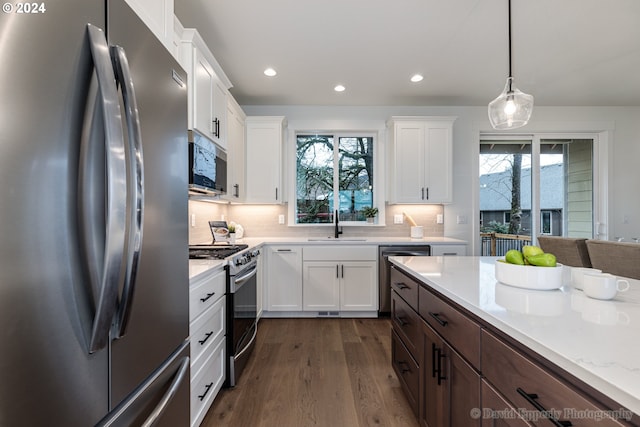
(437, 250)
(359, 287)
(321, 286)
(206, 383)
(340, 278)
(207, 309)
(284, 278)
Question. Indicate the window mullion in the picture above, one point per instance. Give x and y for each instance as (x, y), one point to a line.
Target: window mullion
(535, 189)
(336, 173)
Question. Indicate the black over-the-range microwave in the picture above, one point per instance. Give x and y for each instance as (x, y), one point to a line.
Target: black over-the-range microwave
(207, 166)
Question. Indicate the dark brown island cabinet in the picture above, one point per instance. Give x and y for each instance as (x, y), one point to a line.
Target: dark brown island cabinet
(457, 370)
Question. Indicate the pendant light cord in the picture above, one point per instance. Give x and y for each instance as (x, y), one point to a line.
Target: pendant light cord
(510, 75)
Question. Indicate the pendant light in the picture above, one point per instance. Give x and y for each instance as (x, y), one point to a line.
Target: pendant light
(513, 108)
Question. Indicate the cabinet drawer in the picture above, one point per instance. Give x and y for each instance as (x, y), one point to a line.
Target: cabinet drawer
(513, 375)
(407, 370)
(206, 330)
(461, 332)
(340, 253)
(406, 287)
(406, 323)
(502, 413)
(206, 383)
(204, 292)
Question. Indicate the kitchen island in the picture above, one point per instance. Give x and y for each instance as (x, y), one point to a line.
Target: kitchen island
(596, 342)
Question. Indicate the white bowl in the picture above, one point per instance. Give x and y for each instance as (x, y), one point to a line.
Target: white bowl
(529, 276)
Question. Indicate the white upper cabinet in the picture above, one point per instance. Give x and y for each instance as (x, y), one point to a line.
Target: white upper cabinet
(208, 89)
(421, 162)
(158, 16)
(236, 180)
(264, 159)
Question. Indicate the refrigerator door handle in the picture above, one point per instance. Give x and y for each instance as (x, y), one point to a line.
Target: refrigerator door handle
(116, 190)
(135, 186)
(171, 391)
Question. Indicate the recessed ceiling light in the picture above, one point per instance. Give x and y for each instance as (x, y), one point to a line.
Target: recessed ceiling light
(416, 78)
(270, 72)
(339, 88)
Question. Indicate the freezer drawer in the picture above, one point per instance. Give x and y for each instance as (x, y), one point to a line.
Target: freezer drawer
(165, 395)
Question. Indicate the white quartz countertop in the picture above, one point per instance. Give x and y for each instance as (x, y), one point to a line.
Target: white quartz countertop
(197, 267)
(353, 240)
(596, 341)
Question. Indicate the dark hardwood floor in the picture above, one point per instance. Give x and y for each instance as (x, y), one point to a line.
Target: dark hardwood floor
(316, 372)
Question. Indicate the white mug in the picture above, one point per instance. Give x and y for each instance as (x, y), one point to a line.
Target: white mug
(603, 285)
(577, 275)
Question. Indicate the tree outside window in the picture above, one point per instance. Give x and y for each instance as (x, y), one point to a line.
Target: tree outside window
(332, 176)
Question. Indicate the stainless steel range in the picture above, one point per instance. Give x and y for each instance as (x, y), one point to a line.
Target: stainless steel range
(242, 326)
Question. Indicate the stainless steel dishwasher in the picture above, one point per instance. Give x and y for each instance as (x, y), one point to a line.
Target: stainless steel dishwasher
(383, 265)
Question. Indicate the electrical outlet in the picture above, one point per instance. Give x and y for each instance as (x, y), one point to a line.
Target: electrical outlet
(398, 219)
(439, 219)
(222, 217)
(193, 220)
(462, 219)
(280, 219)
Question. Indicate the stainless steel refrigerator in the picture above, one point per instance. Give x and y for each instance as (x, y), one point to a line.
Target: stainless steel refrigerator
(93, 220)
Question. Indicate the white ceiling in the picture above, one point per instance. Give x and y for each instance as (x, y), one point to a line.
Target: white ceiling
(565, 52)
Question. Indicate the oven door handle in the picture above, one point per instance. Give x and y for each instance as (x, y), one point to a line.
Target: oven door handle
(239, 281)
(246, 347)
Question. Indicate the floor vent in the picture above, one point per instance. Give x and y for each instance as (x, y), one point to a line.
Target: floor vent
(328, 314)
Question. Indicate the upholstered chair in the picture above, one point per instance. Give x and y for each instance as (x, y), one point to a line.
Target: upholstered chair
(568, 250)
(619, 258)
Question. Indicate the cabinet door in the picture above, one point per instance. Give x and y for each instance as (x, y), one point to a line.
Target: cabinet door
(409, 163)
(437, 163)
(264, 160)
(284, 279)
(451, 388)
(202, 101)
(158, 16)
(321, 286)
(359, 287)
(463, 389)
(235, 150)
(432, 403)
(219, 112)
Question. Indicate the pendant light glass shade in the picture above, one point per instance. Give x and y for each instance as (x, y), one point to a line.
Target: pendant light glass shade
(511, 109)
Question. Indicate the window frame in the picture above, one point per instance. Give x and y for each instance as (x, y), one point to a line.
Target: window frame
(379, 190)
(599, 141)
(550, 215)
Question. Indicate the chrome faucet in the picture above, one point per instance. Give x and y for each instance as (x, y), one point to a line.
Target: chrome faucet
(337, 232)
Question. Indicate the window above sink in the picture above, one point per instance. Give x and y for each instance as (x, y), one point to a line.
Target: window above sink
(335, 172)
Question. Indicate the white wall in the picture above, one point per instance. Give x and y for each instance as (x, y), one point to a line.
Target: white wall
(622, 168)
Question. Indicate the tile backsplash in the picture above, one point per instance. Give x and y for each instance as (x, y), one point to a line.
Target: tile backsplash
(262, 221)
